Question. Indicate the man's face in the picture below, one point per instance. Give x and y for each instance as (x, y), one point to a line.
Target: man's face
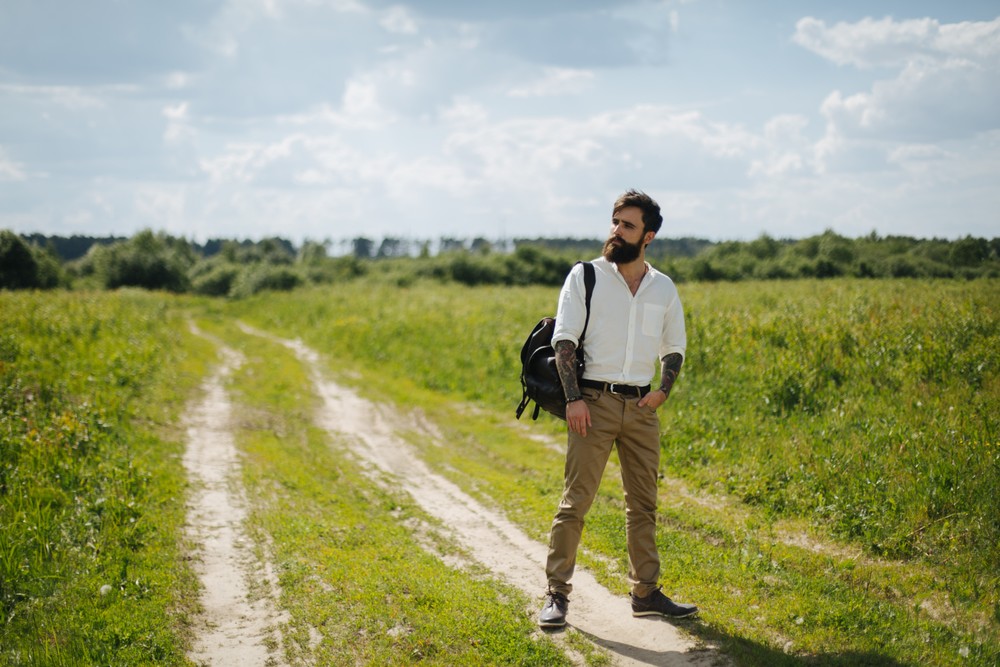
(627, 238)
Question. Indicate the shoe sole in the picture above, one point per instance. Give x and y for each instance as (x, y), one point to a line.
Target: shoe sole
(552, 624)
(640, 614)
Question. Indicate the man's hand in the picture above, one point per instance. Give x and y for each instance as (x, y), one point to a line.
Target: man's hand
(670, 368)
(578, 417)
(653, 399)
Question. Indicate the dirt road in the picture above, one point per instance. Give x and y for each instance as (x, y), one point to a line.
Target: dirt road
(486, 534)
(239, 620)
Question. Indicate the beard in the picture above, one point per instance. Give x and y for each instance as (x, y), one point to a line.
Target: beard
(621, 254)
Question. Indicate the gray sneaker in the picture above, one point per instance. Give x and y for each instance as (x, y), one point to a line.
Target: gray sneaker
(554, 612)
(658, 604)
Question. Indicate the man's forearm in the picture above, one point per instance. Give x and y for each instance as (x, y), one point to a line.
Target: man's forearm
(670, 368)
(566, 367)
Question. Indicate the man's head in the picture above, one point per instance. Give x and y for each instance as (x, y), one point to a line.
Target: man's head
(634, 222)
(651, 218)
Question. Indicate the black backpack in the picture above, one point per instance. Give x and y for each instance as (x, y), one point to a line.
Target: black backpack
(539, 378)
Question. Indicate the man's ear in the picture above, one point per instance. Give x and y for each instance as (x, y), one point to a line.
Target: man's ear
(649, 238)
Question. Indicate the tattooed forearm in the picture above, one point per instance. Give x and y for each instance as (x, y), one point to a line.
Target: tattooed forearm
(670, 368)
(566, 366)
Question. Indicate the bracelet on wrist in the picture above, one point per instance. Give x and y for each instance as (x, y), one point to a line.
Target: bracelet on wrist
(574, 399)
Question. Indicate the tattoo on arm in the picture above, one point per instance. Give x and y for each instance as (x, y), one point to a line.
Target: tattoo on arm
(670, 368)
(566, 366)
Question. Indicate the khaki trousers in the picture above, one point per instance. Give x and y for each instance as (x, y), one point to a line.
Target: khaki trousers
(616, 421)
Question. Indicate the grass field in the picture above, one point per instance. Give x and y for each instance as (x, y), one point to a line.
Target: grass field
(831, 468)
(92, 569)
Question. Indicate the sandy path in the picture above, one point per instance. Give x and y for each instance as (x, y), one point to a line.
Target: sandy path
(488, 536)
(236, 623)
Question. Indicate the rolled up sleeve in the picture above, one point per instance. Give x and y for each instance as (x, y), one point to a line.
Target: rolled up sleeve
(674, 337)
(571, 313)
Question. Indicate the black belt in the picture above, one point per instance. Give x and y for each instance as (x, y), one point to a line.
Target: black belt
(623, 389)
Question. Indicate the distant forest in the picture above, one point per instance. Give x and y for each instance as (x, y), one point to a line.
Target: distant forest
(69, 248)
(223, 267)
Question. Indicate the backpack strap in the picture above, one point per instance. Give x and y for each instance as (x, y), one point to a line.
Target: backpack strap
(589, 280)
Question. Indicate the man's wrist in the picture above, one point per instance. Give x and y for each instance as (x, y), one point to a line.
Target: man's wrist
(574, 399)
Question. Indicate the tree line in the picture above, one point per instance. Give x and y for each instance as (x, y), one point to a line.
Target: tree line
(222, 267)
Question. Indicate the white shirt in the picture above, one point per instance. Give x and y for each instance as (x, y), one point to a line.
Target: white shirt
(627, 334)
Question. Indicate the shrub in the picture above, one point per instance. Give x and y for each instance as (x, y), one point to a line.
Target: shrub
(260, 277)
(969, 252)
(146, 260)
(218, 281)
(24, 266)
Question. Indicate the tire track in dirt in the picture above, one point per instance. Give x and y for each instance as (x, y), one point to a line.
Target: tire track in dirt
(491, 539)
(238, 618)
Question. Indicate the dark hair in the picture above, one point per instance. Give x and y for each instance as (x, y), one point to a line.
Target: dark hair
(651, 218)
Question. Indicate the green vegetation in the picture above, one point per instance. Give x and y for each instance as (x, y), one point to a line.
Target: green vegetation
(830, 255)
(240, 269)
(831, 462)
(27, 266)
(857, 415)
(91, 492)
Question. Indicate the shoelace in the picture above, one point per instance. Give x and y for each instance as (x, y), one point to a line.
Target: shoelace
(556, 599)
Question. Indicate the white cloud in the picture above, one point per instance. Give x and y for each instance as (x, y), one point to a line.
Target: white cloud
(70, 97)
(465, 112)
(179, 127)
(398, 20)
(177, 80)
(869, 42)
(917, 152)
(361, 100)
(247, 162)
(10, 170)
(360, 109)
(888, 43)
(178, 112)
(948, 81)
(556, 81)
(509, 172)
(163, 207)
(945, 86)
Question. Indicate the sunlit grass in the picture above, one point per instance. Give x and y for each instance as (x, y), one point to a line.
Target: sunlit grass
(862, 413)
(831, 464)
(91, 489)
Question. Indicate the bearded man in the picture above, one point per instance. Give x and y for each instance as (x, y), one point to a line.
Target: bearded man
(636, 318)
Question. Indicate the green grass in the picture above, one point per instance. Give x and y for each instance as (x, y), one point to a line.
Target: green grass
(860, 414)
(91, 488)
(830, 493)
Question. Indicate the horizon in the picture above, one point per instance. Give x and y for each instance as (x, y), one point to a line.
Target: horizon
(468, 243)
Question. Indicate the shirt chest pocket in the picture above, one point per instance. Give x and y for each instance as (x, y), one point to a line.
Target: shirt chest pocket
(652, 319)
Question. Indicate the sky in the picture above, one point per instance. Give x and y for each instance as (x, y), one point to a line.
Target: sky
(339, 119)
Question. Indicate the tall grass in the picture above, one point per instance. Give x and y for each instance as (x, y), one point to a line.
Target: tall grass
(866, 410)
(871, 408)
(90, 496)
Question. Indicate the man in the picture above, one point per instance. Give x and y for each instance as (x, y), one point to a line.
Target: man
(636, 317)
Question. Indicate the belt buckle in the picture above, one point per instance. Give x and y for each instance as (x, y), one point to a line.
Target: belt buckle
(612, 387)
